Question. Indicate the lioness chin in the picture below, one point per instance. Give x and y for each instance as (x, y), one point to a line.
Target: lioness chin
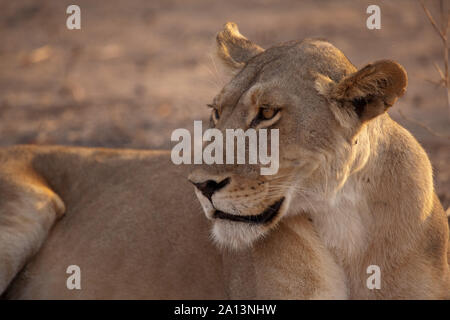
(354, 189)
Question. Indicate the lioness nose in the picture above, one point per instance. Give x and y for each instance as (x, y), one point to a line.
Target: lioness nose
(208, 187)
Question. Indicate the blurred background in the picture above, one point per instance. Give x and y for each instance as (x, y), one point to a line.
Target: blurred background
(138, 69)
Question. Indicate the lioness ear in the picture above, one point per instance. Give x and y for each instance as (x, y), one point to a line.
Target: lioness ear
(370, 91)
(233, 49)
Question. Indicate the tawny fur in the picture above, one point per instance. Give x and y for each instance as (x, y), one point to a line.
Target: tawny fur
(358, 191)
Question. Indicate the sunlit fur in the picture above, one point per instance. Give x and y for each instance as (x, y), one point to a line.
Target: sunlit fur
(358, 191)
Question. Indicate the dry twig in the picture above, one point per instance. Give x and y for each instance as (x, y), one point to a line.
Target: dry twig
(443, 75)
(442, 32)
(424, 126)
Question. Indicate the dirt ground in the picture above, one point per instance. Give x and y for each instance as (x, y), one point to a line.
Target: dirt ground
(139, 69)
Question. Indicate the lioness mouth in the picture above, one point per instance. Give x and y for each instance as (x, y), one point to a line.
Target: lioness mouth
(264, 217)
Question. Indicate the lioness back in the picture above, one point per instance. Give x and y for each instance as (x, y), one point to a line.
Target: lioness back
(128, 221)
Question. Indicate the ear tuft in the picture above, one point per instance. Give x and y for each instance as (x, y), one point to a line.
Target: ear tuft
(233, 48)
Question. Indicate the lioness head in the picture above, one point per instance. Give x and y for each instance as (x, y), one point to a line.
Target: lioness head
(321, 105)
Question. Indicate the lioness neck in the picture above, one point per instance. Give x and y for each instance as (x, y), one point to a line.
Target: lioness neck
(387, 214)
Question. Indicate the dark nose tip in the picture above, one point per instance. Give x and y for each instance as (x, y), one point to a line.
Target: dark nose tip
(210, 186)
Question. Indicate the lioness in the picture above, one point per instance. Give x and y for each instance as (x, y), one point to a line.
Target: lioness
(354, 189)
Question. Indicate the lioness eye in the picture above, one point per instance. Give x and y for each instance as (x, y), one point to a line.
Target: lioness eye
(215, 113)
(267, 113)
